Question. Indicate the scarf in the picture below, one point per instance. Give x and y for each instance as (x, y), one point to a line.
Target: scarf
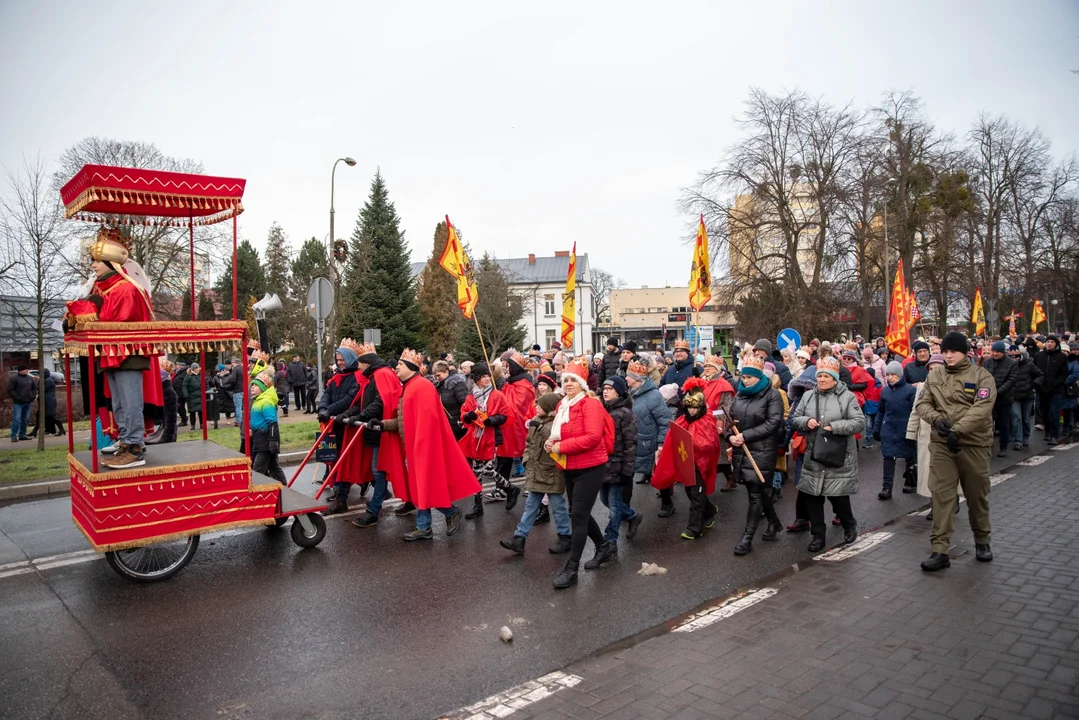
(761, 382)
(561, 415)
(482, 395)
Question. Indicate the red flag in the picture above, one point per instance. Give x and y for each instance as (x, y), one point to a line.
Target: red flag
(898, 333)
(675, 464)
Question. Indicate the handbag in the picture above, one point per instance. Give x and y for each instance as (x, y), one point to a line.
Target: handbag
(829, 450)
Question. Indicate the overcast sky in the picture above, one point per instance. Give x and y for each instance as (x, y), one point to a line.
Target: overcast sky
(532, 126)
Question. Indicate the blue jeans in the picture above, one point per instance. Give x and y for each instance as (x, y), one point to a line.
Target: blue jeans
(423, 517)
(238, 407)
(867, 440)
(1022, 419)
(20, 415)
(126, 389)
(798, 468)
(611, 496)
(380, 486)
(533, 503)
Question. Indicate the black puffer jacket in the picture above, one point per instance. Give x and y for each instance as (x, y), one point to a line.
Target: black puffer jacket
(1005, 374)
(609, 367)
(1028, 379)
(1054, 367)
(620, 463)
(760, 419)
(453, 391)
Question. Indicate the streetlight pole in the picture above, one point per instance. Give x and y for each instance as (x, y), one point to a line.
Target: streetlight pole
(329, 250)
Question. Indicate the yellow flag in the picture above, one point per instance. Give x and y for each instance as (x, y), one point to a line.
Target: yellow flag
(978, 315)
(455, 262)
(569, 303)
(1038, 316)
(700, 275)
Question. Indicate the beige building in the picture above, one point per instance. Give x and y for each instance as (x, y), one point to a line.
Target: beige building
(758, 247)
(656, 317)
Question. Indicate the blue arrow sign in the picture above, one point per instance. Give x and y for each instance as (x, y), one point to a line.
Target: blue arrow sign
(788, 337)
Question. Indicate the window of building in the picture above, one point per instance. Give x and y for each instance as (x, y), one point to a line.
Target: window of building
(548, 337)
(548, 306)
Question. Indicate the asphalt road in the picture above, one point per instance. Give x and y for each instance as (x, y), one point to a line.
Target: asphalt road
(365, 625)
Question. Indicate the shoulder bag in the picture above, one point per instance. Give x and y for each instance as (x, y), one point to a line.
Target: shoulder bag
(829, 450)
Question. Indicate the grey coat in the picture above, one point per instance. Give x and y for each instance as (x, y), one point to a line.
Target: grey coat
(839, 409)
(653, 420)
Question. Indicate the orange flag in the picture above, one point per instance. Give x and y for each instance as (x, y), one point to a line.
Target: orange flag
(700, 275)
(455, 262)
(897, 335)
(569, 302)
(1038, 316)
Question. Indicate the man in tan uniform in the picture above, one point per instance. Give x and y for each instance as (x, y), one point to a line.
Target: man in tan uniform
(958, 404)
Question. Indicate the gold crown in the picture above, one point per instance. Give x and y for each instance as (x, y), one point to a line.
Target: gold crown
(828, 363)
(638, 368)
(681, 345)
(715, 361)
(410, 355)
(531, 363)
(366, 349)
(753, 361)
(107, 247)
(352, 345)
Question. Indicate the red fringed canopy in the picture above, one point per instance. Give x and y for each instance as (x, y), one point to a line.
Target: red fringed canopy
(113, 195)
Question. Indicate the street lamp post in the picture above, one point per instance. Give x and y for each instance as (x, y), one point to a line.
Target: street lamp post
(1053, 315)
(329, 251)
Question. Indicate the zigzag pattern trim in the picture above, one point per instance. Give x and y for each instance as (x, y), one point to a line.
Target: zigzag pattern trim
(182, 508)
(157, 181)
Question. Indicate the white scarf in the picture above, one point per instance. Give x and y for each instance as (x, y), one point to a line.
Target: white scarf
(482, 395)
(562, 414)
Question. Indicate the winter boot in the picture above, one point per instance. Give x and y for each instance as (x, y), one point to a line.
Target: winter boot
(514, 544)
(544, 515)
(477, 508)
(562, 546)
(604, 553)
(567, 577)
(512, 493)
(753, 519)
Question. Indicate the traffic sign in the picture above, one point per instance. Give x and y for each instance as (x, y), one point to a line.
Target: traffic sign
(372, 336)
(789, 337)
(320, 298)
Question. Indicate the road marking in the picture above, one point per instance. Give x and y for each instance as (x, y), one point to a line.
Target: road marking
(725, 609)
(860, 545)
(18, 563)
(1034, 460)
(70, 561)
(516, 698)
(18, 571)
(999, 478)
(1069, 446)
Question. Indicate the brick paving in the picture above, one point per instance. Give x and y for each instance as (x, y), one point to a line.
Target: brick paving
(873, 636)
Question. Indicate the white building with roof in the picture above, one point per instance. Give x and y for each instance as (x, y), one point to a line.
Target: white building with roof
(540, 281)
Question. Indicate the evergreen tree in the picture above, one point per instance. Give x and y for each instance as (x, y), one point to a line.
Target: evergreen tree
(276, 268)
(251, 279)
(499, 313)
(309, 264)
(437, 300)
(378, 291)
(185, 304)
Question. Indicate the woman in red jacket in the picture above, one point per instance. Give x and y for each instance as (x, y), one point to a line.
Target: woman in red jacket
(577, 437)
(483, 414)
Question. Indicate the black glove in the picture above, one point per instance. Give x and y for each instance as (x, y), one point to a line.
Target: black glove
(943, 427)
(488, 422)
(374, 425)
(275, 447)
(323, 416)
(355, 422)
(953, 442)
(876, 436)
(696, 371)
(535, 422)
(470, 417)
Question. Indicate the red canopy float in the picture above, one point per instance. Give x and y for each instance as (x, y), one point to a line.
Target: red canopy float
(136, 196)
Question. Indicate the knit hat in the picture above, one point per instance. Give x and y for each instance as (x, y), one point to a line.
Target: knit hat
(638, 369)
(999, 346)
(848, 353)
(769, 370)
(349, 355)
(669, 391)
(220, 367)
(630, 346)
(548, 402)
(803, 354)
(537, 349)
(619, 385)
(549, 379)
(828, 365)
(893, 368)
(480, 370)
(1073, 346)
(763, 344)
(1052, 337)
(955, 341)
(937, 359)
(612, 341)
(919, 345)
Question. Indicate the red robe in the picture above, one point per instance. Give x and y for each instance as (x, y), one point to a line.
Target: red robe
(355, 467)
(437, 471)
(705, 453)
(391, 459)
(483, 447)
(520, 396)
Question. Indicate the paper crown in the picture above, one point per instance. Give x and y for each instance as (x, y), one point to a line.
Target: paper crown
(715, 361)
(752, 361)
(577, 371)
(531, 363)
(828, 363)
(518, 358)
(351, 345)
(107, 247)
(410, 355)
(366, 349)
(638, 368)
(681, 345)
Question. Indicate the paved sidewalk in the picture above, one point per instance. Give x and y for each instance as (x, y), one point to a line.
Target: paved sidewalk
(865, 634)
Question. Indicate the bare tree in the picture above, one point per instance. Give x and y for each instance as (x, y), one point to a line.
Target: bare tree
(603, 282)
(163, 252)
(34, 245)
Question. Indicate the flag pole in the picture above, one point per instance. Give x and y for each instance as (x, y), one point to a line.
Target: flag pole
(482, 343)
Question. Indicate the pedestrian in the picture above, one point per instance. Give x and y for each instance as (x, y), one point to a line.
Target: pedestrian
(958, 403)
(178, 375)
(237, 378)
(890, 430)
(546, 382)
(52, 425)
(829, 414)
(1028, 379)
(1005, 372)
(339, 396)
(797, 443)
(265, 431)
(192, 395)
(920, 432)
(520, 395)
(653, 420)
(628, 355)
(618, 475)
(452, 391)
(916, 371)
(297, 380)
(543, 477)
(22, 390)
(1070, 406)
(483, 414)
(437, 474)
(755, 430)
(780, 473)
(283, 386)
(680, 369)
(720, 396)
(579, 437)
(310, 389)
(168, 393)
(611, 360)
(1053, 365)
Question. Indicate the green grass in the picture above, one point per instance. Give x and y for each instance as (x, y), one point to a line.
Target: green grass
(19, 466)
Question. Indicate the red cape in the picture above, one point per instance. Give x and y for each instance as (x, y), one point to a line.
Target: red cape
(124, 301)
(483, 447)
(391, 457)
(520, 395)
(355, 465)
(705, 455)
(713, 392)
(438, 473)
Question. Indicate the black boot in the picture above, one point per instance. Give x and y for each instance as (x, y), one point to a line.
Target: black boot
(604, 553)
(515, 544)
(936, 561)
(816, 544)
(477, 508)
(850, 534)
(885, 494)
(512, 493)
(666, 509)
(544, 515)
(772, 531)
(560, 547)
(567, 577)
(753, 519)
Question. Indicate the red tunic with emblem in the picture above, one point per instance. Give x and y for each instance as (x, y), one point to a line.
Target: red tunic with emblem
(483, 447)
(705, 453)
(520, 396)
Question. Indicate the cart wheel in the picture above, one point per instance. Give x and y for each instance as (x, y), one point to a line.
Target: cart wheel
(151, 563)
(305, 539)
